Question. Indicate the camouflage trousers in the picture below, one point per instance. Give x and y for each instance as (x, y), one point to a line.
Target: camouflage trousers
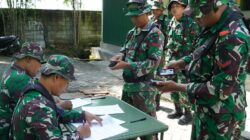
(144, 101)
(217, 127)
(4, 129)
(180, 98)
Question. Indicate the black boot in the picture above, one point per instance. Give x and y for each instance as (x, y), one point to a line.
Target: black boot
(177, 113)
(186, 118)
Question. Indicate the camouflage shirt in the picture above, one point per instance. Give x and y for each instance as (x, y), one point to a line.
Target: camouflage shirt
(14, 80)
(218, 77)
(35, 117)
(162, 22)
(147, 58)
(181, 35)
(163, 25)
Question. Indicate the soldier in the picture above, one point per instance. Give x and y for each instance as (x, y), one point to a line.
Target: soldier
(217, 71)
(36, 115)
(181, 35)
(15, 79)
(140, 58)
(162, 21)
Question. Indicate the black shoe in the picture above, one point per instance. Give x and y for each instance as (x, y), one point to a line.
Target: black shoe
(175, 115)
(157, 108)
(185, 119)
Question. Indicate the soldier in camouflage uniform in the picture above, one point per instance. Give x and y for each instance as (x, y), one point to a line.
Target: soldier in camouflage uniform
(162, 22)
(15, 79)
(140, 58)
(36, 115)
(181, 35)
(217, 71)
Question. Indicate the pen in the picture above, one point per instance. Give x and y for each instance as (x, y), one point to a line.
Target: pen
(98, 98)
(142, 119)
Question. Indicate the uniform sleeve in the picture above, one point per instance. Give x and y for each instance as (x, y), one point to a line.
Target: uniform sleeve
(43, 124)
(230, 58)
(187, 59)
(16, 84)
(155, 42)
(72, 116)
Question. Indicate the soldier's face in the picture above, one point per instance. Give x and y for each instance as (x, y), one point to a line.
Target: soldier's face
(177, 10)
(207, 20)
(140, 20)
(33, 66)
(157, 12)
(60, 85)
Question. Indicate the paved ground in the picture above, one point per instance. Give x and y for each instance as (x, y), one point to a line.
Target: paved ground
(96, 74)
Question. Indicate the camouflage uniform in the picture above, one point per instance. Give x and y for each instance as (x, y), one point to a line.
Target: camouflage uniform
(217, 88)
(36, 115)
(181, 36)
(144, 60)
(163, 23)
(14, 80)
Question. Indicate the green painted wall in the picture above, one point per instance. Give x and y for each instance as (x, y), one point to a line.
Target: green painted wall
(115, 23)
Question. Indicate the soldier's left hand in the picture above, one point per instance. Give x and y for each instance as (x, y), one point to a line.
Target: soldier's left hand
(67, 105)
(90, 117)
(167, 86)
(121, 65)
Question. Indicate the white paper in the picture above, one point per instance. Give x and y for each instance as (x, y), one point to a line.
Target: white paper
(78, 102)
(106, 131)
(102, 110)
(111, 127)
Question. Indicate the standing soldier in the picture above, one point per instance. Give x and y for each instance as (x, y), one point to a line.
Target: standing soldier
(36, 115)
(217, 71)
(162, 22)
(140, 58)
(182, 33)
(15, 79)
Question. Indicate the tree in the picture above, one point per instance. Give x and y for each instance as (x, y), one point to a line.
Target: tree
(76, 6)
(15, 16)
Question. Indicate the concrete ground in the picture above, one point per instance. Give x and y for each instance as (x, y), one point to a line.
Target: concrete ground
(96, 74)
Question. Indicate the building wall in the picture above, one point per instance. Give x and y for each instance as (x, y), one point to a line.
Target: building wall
(115, 23)
(55, 28)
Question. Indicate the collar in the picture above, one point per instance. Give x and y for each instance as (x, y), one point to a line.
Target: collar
(146, 28)
(161, 17)
(18, 68)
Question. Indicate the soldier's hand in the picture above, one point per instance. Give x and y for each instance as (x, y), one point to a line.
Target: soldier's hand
(172, 65)
(117, 57)
(120, 65)
(90, 117)
(176, 65)
(167, 86)
(84, 130)
(67, 105)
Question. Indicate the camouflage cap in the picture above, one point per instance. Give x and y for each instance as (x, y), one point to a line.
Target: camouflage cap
(61, 65)
(198, 8)
(158, 4)
(31, 49)
(138, 7)
(182, 2)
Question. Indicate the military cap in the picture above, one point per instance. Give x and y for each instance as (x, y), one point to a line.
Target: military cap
(158, 4)
(198, 8)
(61, 65)
(182, 2)
(138, 7)
(31, 49)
